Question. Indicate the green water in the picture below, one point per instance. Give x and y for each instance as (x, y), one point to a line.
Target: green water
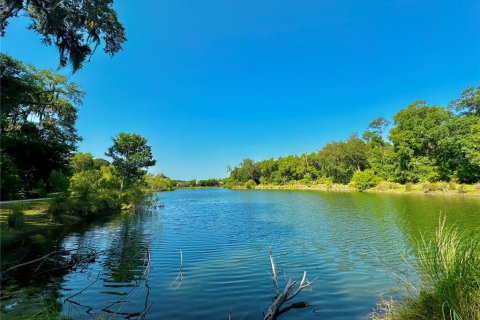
(354, 243)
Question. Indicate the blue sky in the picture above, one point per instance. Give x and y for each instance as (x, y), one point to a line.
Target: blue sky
(209, 83)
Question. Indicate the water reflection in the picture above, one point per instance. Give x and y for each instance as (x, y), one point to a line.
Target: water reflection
(122, 271)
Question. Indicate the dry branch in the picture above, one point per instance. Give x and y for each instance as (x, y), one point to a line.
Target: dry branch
(178, 280)
(280, 298)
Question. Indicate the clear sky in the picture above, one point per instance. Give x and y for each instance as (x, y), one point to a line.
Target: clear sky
(211, 82)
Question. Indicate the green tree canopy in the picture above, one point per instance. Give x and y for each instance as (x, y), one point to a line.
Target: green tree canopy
(469, 102)
(76, 28)
(131, 157)
(39, 111)
(417, 136)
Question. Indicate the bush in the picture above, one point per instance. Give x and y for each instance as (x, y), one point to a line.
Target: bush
(382, 186)
(452, 186)
(363, 180)
(16, 218)
(428, 187)
(250, 184)
(40, 189)
(450, 286)
(451, 266)
(408, 186)
(462, 188)
(60, 205)
(443, 186)
(58, 182)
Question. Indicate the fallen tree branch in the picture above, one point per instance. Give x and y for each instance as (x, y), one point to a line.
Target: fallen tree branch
(280, 298)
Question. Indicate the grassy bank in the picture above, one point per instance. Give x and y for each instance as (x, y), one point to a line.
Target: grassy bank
(449, 266)
(35, 220)
(438, 188)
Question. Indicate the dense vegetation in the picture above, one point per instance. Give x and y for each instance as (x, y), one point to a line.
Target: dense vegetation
(39, 110)
(450, 284)
(425, 144)
(160, 182)
(39, 140)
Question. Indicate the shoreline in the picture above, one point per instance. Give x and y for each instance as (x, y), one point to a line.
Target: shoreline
(471, 190)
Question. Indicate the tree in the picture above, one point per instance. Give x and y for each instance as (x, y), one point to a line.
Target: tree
(469, 102)
(39, 111)
(131, 156)
(245, 171)
(81, 162)
(374, 133)
(417, 137)
(76, 28)
(363, 180)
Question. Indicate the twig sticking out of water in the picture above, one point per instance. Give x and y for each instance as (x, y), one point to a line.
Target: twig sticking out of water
(274, 273)
(178, 280)
(274, 309)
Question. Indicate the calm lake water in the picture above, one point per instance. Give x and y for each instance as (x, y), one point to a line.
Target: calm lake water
(352, 241)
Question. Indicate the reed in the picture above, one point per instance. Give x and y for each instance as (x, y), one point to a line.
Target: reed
(449, 265)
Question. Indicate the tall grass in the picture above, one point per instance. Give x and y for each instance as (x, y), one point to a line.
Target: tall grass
(449, 265)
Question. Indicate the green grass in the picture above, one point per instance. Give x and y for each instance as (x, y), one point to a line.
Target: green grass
(35, 220)
(450, 283)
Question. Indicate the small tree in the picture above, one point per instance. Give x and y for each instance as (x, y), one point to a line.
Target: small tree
(131, 156)
(363, 180)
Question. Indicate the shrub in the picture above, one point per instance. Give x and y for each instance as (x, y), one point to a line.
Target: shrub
(363, 180)
(59, 205)
(408, 186)
(16, 218)
(443, 186)
(58, 182)
(450, 264)
(428, 187)
(40, 190)
(250, 184)
(382, 186)
(462, 188)
(452, 186)
(450, 283)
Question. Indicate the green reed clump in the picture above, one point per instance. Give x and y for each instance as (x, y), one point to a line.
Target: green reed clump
(450, 283)
(451, 267)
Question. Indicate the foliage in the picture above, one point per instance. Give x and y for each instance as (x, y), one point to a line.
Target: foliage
(10, 182)
(131, 156)
(450, 286)
(417, 135)
(81, 162)
(16, 218)
(425, 144)
(363, 180)
(245, 171)
(58, 182)
(39, 111)
(159, 182)
(469, 102)
(250, 184)
(76, 28)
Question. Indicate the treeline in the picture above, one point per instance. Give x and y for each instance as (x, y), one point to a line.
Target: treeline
(160, 182)
(39, 140)
(425, 143)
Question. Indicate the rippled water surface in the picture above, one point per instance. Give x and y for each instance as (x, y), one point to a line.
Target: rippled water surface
(351, 241)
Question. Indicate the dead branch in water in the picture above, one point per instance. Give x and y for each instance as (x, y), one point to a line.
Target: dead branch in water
(178, 280)
(280, 298)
